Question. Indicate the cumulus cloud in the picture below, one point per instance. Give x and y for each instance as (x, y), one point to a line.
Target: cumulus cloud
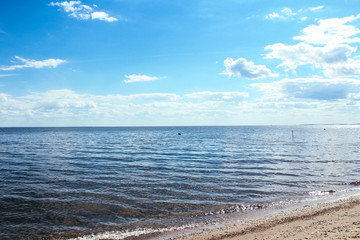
(325, 45)
(140, 78)
(310, 88)
(331, 31)
(246, 69)
(302, 54)
(219, 96)
(81, 11)
(29, 63)
(350, 68)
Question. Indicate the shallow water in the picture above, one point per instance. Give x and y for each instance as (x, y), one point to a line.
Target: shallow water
(66, 182)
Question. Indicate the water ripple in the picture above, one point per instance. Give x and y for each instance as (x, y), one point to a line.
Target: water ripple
(71, 181)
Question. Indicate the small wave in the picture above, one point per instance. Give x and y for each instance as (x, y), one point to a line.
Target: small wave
(235, 209)
(334, 194)
(319, 193)
(340, 191)
(132, 233)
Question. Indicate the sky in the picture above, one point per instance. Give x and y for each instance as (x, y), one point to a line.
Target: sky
(179, 62)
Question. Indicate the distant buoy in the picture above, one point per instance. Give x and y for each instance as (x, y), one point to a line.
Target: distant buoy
(179, 133)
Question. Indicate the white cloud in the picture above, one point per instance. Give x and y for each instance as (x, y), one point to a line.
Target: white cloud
(331, 31)
(219, 96)
(59, 99)
(354, 97)
(102, 16)
(69, 108)
(288, 12)
(288, 105)
(6, 75)
(273, 15)
(284, 13)
(3, 97)
(350, 68)
(325, 46)
(154, 97)
(303, 54)
(75, 9)
(67, 6)
(139, 78)
(316, 8)
(83, 12)
(310, 88)
(246, 69)
(68, 103)
(29, 63)
(329, 46)
(141, 97)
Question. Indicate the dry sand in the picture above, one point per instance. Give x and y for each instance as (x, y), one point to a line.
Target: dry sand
(335, 220)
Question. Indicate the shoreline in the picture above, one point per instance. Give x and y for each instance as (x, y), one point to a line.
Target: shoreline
(336, 216)
(339, 219)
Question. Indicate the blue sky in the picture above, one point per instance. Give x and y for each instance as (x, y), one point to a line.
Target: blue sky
(143, 62)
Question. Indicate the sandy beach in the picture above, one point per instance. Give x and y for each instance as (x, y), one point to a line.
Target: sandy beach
(334, 220)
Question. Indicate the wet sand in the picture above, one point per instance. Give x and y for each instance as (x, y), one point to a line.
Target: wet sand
(334, 220)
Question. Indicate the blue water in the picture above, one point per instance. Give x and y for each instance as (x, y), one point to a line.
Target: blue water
(67, 182)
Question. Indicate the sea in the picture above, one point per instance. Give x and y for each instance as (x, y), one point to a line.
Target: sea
(130, 182)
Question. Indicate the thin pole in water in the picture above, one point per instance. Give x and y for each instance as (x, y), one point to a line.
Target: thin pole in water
(292, 134)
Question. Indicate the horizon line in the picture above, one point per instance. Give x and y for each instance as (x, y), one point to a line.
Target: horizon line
(154, 126)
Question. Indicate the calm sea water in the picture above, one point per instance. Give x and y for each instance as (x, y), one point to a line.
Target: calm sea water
(67, 182)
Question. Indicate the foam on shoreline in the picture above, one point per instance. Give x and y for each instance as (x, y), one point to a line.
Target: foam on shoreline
(327, 220)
